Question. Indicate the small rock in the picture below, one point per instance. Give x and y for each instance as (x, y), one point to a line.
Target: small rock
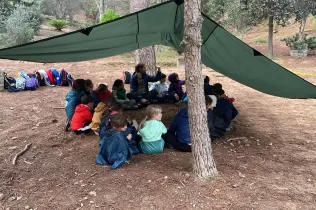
(129, 186)
(11, 198)
(231, 144)
(309, 180)
(235, 185)
(18, 198)
(241, 175)
(149, 181)
(13, 148)
(13, 138)
(166, 177)
(33, 128)
(27, 207)
(85, 198)
(40, 179)
(92, 202)
(1, 196)
(11, 108)
(270, 144)
(239, 142)
(187, 175)
(76, 183)
(38, 124)
(258, 144)
(257, 140)
(247, 145)
(93, 193)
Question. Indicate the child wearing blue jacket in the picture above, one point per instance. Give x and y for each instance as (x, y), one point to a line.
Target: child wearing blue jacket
(178, 134)
(117, 144)
(226, 108)
(73, 99)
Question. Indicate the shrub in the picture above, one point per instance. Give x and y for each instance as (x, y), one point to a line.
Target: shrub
(21, 25)
(109, 15)
(58, 24)
(296, 42)
(261, 40)
(311, 42)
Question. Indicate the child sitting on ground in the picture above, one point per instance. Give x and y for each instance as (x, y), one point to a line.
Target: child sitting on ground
(151, 131)
(99, 112)
(226, 108)
(73, 99)
(114, 147)
(215, 121)
(83, 115)
(89, 86)
(175, 86)
(218, 86)
(158, 92)
(119, 93)
(178, 135)
(101, 93)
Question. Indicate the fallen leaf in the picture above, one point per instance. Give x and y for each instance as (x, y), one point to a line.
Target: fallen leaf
(13, 148)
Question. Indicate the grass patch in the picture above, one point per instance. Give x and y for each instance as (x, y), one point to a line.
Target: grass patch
(261, 40)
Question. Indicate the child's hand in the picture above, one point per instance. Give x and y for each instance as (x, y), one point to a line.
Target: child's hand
(129, 137)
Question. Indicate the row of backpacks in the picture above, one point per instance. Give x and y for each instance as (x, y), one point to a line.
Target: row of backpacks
(31, 81)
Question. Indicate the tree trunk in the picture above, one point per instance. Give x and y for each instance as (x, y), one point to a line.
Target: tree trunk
(270, 39)
(145, 55)
(302, 26)
(203, 162)
(102, 7)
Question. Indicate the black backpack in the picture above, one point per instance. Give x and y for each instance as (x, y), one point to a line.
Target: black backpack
(8, 81)
(64, 78)
(127, 76)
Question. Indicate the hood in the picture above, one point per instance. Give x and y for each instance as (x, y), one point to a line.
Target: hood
(81, 108)
(183, 113)
(73, 94)
(100, 107)
(172, 77)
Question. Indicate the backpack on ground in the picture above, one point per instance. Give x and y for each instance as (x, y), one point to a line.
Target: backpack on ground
(20, 83)
(40, 79)
(56, 76)
(8, 82)
(70, 79)
(31, 84)
(51, 77)
(64, 78)
(24, 75)
(127, 76)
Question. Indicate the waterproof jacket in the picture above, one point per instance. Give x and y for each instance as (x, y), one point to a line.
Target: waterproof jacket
(81, 117)
(228, 110)
(180, 126)
(98, 116)
(73, 99)
(146, 78)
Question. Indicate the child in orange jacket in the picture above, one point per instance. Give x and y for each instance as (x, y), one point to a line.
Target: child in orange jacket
(83, 115)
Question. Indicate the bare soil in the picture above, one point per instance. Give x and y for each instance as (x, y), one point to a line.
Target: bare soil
(266, 162)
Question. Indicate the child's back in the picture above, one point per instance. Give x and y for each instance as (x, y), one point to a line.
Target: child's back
(151, 132)
(81, 117)
(228, 110)
(180, 126)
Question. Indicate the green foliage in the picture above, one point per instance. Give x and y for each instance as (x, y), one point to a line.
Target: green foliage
(311, 42)
(21, 25)
(58, 24)
(303, 8)
(214, 9)
(261, 40)
(109, 15)
(296, 42)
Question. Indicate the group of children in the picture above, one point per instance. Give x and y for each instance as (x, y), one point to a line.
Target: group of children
(101, 111)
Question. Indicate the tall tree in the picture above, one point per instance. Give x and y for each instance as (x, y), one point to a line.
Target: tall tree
(303, 8)
(145, 55)
(203, 162)
(275, 10)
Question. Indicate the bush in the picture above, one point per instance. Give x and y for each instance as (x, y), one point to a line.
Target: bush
(296, 42)
(21, 25)
(261, 40)
(311, 42)
(109, 15)
(58, 24)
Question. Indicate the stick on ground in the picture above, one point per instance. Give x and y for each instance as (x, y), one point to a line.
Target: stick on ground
(20, 153)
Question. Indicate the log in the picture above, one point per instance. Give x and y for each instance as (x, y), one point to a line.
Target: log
(20, 153)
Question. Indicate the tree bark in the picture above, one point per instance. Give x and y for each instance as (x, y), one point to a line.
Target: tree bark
(270, 39)
(302, 26)
(203, 163)
(145, 55)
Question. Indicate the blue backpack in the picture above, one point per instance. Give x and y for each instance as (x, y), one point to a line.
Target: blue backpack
(57, 76)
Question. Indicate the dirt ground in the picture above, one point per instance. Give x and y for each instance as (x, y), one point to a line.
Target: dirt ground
(266, 162)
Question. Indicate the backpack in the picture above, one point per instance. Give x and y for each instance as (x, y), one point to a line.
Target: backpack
(64, 78)
(56, 76)
(20, 83)
(40, 79)
(51, 77)
(8, 82)
(31, 84)
(24, 75)
(70, 79)
(127, 76)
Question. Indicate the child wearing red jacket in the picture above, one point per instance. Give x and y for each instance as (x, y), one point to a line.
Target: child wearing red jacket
(83, 115)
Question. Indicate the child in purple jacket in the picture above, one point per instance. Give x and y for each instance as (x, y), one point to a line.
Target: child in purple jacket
(175, 86)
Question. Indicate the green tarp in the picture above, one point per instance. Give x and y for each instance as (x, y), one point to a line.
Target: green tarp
(163, 25)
